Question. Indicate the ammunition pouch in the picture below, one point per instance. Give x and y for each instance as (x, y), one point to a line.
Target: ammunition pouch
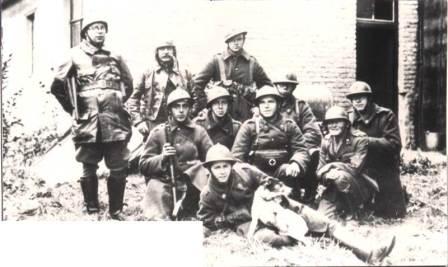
(269, 160)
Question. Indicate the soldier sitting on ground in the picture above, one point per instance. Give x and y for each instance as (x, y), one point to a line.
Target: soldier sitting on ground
(342, 167)
(226, 202)
(218, 122)
(172, 148)
(273, 143)
(383, 157)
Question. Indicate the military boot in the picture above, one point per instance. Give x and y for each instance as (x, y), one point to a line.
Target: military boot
(89, 187)
(371, 256)
(115, 188)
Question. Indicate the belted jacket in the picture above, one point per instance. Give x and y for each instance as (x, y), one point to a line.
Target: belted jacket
(101, 82)
(280, 133)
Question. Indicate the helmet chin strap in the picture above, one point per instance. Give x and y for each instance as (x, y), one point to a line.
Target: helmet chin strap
(92, 42)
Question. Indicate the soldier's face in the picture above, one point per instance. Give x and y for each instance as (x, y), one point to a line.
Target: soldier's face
(221, 170)
(97, 33)
(180, 110)
(220, 107)
(285, 89)
(360, 102)
(236, 43)
(268, 106)
(336, 127)
(166, 53)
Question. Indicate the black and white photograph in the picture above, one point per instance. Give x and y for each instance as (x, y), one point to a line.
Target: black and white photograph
(224, 132)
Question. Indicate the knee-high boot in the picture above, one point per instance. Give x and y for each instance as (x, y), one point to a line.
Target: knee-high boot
(359, 248)
(89, 187)
(115, 188)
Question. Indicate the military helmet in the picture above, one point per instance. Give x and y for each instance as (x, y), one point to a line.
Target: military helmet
(215, 93)
(88, 22)
(359, 88)
(233, 33)
(176, 95)
(216, 153)
(290, 78)
(336, 113)
(267, 90)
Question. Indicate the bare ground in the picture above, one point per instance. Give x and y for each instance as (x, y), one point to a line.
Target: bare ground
(421, 236)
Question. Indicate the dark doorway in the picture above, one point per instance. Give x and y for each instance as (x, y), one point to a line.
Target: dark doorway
(376, 56)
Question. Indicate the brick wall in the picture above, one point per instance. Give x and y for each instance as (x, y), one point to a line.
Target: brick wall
(315, 39)
(407, 69)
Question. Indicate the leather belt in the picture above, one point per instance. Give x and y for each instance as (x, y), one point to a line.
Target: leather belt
(102, 84)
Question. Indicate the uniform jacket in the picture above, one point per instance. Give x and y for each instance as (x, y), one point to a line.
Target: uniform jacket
(300, 112)
(383, 158)
(352, 152)
(280, 133)
(236, 69)
(223, 132)
(104, 83)
(148, 101)
(233, 197)
(190, 140)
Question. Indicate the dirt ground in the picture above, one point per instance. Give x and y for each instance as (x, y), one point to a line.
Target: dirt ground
(421, 236)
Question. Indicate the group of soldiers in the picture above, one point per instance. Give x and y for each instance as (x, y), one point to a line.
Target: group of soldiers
(212, 138)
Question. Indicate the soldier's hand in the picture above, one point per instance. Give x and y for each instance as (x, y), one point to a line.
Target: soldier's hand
(292, 170)
(168, 150)
(255, 112)
(143, 128)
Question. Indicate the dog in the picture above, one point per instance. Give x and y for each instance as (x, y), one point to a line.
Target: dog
(271, 207)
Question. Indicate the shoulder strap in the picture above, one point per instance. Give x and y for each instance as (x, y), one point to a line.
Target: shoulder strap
(221, 67)
(251, 69)
(255, 144)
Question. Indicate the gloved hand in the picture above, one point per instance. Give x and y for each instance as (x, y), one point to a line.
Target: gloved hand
(238, 216)
(220, 222)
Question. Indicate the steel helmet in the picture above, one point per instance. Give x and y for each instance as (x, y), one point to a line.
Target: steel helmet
(217, 92)
(88, 22)
(216, 153)
(287, 78)
(267, 90)
(233, 33)
(336, 113)
(359, 88)
(176, 95)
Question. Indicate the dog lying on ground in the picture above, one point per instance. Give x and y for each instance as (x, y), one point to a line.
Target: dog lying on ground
(270, 207)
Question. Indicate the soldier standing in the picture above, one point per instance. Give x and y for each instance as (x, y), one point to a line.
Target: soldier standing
(92, 85)
(300, 112)
(341, 166)
(238, 71)
(272, 143)
(147, 103)
(186, 144)
(383, 158)
(220, 125)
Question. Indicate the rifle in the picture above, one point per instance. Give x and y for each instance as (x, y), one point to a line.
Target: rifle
(72, 94)
(176, 204)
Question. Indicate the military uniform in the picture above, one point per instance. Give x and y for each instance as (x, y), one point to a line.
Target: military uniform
(300, 112)
(223, 131)
(191, 142)
(147, 103)
(103, 127)
(241, 68)
(278, 134)
(383, 158)
(351, 190)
